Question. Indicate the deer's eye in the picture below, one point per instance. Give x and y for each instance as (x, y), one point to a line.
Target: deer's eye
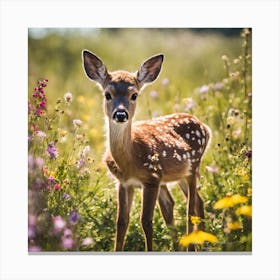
(108, 96)
(134, 96)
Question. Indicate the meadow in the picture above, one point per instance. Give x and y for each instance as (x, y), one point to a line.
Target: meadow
(72, 198)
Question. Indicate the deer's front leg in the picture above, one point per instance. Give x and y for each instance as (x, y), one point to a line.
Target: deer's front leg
(124, 205)
(150, 194)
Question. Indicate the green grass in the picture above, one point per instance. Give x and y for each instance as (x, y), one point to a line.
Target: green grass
(205, 74)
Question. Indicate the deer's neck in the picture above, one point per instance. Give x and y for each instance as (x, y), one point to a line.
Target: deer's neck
(120, 142)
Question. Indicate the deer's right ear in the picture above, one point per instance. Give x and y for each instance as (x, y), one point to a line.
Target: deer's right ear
(94, 67)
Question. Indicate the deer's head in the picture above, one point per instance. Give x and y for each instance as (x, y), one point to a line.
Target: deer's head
(121, 88)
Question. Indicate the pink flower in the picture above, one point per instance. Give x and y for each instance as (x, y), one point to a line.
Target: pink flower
(154, 94)
(67, 242)
(212, 168)
(165, 82)
(56, 187)
(203, 89)
(87, 241)
(58, 224)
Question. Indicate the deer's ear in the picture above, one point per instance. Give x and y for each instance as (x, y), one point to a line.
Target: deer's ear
(94, 67)
(150, 69)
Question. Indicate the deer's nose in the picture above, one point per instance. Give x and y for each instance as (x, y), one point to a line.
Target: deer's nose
(120, 116)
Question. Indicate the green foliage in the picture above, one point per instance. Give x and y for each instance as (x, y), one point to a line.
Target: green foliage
(72, 200)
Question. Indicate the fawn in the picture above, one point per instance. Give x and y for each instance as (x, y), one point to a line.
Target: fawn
(147, 154)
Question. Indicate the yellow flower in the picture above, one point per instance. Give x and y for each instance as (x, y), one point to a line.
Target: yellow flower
(249, 192)
(230, 201)
(81, 99)
(234, 225)
(195, 220)
(242, 173)
(197, 237)
(62, 133)
(244, 210)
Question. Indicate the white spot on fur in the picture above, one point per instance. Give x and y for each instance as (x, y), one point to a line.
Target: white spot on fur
(197, 132)
(164, 154)
(187, 135)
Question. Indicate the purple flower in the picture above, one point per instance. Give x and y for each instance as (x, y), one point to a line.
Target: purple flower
(74, 217)
(218, 86)
(203, 89)
(154, 94)
(31, 232)
(52, 151)
(80, 163)
(67, 196)
(165, 82)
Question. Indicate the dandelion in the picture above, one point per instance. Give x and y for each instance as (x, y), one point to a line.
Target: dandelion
(68, 97)
(204, 89)
(77, 123)
(230, 201)
(195, 220)
(197, 237)
(74, 217)
(52, 151)
(234, 225)
(245, 210)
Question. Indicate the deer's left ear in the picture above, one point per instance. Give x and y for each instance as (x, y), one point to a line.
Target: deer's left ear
(150, 69)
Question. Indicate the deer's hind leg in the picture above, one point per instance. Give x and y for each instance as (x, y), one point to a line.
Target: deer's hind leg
(166, 204)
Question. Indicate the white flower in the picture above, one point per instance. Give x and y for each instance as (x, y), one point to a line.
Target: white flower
(77, 123)
(68, 97)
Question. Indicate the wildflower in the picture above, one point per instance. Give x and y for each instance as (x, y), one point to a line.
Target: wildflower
(39, 162)
(51, 180)
(74, 217)
(224, 57)
(189, 103)
(244, 210)
(195, 220)
(212, 168)
(52, 151)
(87, 241)
(236, 133)
(31, 232)
(230, 201)
(68, 97)
(204, 89)
(154, 94)
(34, 248)
(242, 173)
(67, 232)
(218, 86)
(41, 134)
(165, 81)
(248, 153)
(58, 224)
(85, 151)
(197, 237)
(56, 187)
(234, 225)
(80, 163)
(77, 123)
(66, 196)
(67, 242)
